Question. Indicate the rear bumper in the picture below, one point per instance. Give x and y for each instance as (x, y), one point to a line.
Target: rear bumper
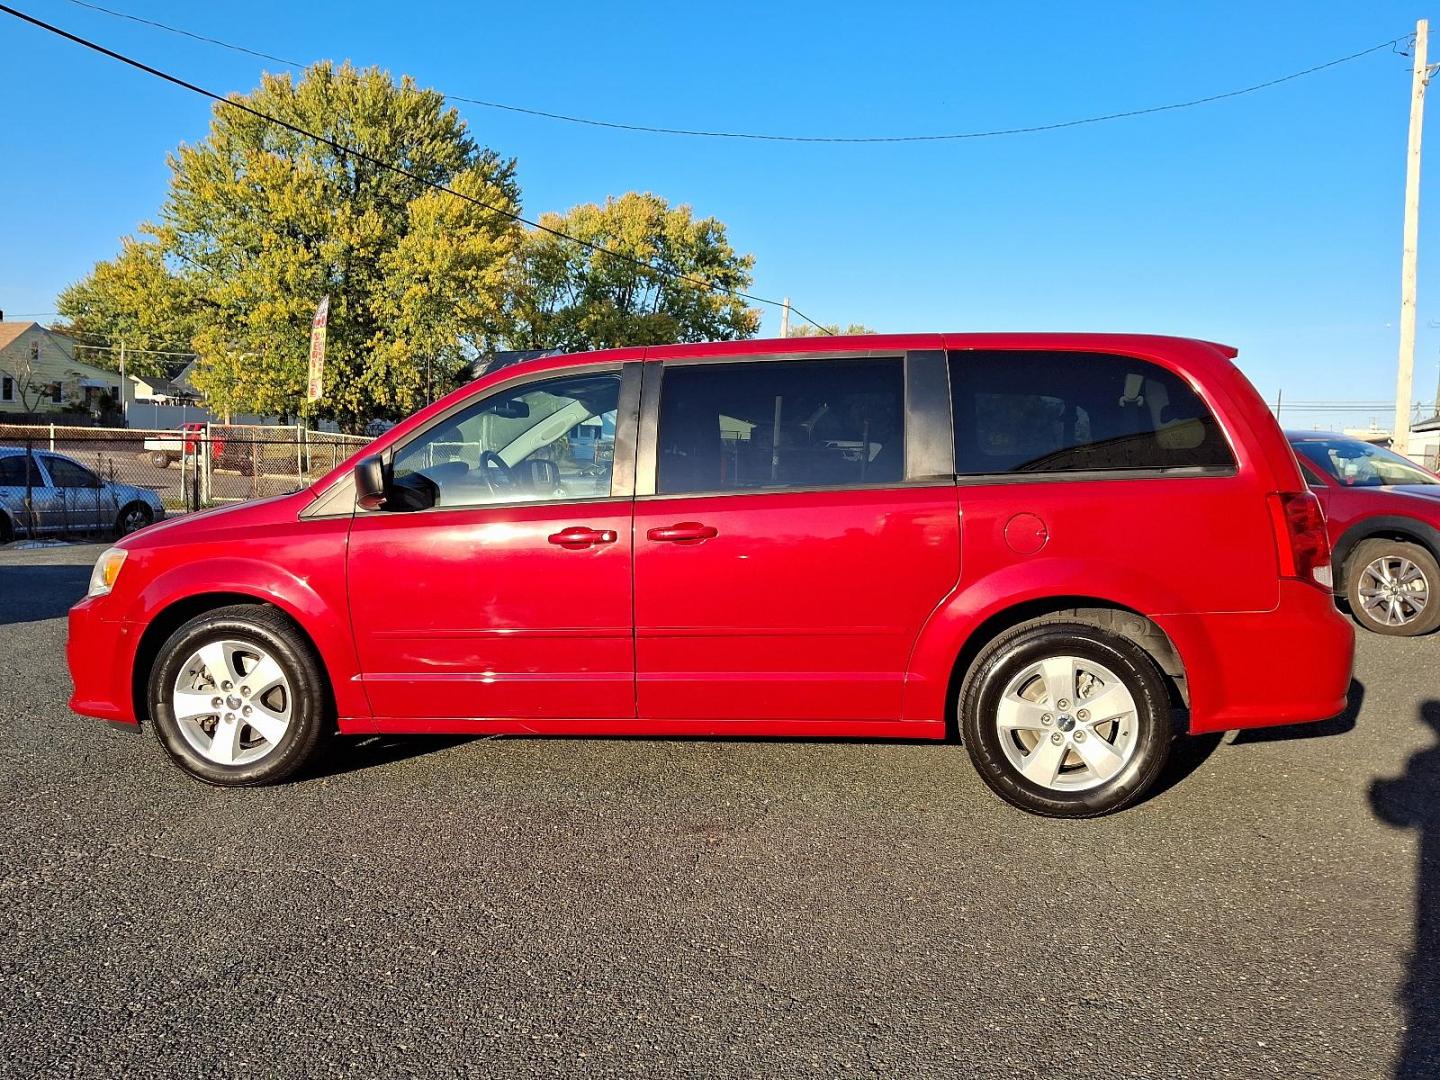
(99, 653)
(1291, 665)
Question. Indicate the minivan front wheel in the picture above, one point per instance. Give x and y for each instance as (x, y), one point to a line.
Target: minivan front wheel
(237, 697)
(1066, 719)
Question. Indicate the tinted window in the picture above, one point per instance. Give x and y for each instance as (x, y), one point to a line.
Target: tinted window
(67, 474)
(544, 441)
(1073, 412)
(781, 424)
(12, 471)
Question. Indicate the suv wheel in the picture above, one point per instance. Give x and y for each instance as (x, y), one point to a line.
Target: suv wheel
(237, 697)
(1066, 719)
(1390, 585)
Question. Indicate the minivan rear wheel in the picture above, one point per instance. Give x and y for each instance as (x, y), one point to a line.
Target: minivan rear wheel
(237, 697)
(1066, 719)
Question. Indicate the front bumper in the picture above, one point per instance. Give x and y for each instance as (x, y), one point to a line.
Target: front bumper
(1291, 665)
(100, 654)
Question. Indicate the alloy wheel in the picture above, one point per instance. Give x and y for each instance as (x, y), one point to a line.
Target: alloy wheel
(134, 519)
(232, 702)
(1067, 723)
(1393, 590)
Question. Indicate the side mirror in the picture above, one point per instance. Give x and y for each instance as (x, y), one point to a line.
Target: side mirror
(372, 476)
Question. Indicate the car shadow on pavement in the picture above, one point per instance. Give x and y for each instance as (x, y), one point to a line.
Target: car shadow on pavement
(347, 753)
(33, 592)
(1412, 801)
(1336, 725)
(1191, 752)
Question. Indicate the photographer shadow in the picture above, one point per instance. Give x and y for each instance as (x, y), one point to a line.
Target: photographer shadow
(1412, 801)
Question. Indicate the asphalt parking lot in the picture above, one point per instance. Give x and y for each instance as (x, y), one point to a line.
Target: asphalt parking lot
(644, 907)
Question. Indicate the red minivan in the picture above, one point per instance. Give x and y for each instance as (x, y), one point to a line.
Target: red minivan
(1063, 549)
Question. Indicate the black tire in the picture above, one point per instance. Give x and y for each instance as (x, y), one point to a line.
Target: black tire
(160, 460)
(133, 517)
(7, 531)
(1368, 552)
(311, 713)
(1006, 658)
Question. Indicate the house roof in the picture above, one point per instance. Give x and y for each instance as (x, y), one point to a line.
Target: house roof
(1431, 424)
(9, 331)
(12, 331)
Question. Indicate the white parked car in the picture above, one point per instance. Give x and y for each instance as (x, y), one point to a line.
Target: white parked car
(63, 496)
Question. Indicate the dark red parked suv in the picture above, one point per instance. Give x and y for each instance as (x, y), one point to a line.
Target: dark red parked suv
(1383, 514)
(1067, 548)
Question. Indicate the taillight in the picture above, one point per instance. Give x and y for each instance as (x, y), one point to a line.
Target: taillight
(1300, 537)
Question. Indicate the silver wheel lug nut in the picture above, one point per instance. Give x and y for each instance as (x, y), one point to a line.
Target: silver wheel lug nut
(247, 710)
(1083, 714)
(227, 686)
(229, 717)
(245, 690)
(217, 702)
(1057, 738)
(1079, 736)
(1063, 703)
(1045, 718)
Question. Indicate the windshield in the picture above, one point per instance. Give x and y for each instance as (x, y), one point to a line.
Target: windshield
(1359, 464)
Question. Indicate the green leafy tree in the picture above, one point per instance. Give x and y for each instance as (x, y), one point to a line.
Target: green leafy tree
(806, 330)
(260, 223)
(569, 296)
(134, 298)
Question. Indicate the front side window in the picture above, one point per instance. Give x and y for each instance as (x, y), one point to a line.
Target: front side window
(542, 442)
(66, 474)
(1359, 464)
(1049, 412)
(781, 424)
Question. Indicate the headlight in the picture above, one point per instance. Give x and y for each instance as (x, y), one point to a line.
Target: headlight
(107, 569)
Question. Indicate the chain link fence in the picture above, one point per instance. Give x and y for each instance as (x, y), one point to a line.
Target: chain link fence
(62, 479)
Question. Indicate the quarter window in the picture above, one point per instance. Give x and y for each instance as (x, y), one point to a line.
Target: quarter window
(542, 442)
(781, 424)
(1055, 412)
(7, 388)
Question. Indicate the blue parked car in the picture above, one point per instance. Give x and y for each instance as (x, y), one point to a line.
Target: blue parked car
(66, 497)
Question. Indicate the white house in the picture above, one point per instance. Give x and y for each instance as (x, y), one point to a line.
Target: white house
(39, 374)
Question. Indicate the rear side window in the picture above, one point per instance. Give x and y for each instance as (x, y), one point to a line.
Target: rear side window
(781, 424)
(13, 471)
(1048, 412)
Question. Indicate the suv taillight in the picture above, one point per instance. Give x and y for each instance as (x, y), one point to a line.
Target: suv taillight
(1300, 537)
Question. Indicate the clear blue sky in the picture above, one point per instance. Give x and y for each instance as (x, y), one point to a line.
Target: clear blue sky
(1271, 221)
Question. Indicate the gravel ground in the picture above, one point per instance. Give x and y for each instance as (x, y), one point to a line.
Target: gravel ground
(646, 907)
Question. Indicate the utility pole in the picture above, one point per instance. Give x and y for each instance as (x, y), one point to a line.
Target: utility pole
(785, 318)
(1420, 76)
(124, 397)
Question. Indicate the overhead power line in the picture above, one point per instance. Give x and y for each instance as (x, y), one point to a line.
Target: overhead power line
(380, 163)
(763, 137)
